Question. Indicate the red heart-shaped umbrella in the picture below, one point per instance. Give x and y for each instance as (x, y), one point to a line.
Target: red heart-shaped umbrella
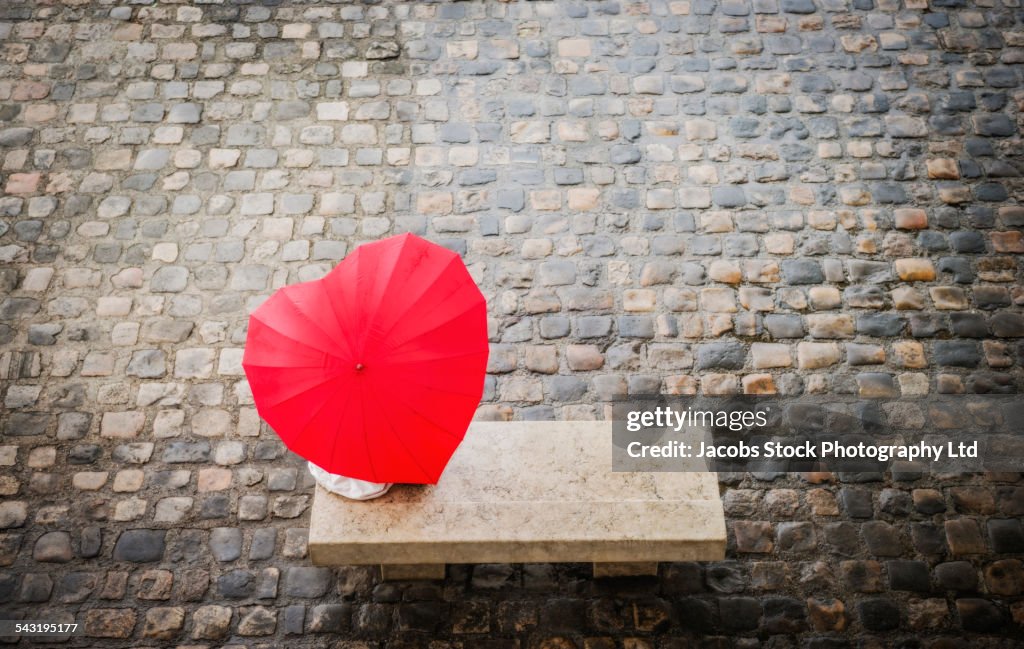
(374, 371)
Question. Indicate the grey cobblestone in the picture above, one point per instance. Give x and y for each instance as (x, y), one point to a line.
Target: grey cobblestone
(687, 196)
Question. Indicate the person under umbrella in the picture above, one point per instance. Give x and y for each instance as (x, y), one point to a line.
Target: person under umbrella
(373, 372)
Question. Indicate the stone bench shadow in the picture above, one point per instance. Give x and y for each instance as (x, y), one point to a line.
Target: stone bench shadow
(527, 492)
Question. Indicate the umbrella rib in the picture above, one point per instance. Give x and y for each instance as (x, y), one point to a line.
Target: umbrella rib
(366, 441)
(327, 378)
(436, 389)
(337, 425)
(435, 423)
(337, 316)
(398, 319)
(409, 378)
(306, 427)
(384, 413)
(262, 366)
(367, 268)
(420, 334)
(316, 326)
(382, 294)
(397, 364)
(293, 339)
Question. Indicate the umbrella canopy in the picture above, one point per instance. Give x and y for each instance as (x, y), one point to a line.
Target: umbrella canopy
(375, 370)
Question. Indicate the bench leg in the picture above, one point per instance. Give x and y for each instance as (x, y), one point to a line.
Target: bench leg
(629, 569)
(405, 571)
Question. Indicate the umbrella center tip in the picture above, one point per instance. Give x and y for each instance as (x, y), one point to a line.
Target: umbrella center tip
(360, 367)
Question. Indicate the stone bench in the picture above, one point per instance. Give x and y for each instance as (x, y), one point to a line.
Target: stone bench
(526, 492)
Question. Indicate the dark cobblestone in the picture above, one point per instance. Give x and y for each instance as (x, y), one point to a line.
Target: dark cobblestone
(651, 191)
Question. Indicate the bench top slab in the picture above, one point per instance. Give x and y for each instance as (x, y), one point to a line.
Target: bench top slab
(527, 492)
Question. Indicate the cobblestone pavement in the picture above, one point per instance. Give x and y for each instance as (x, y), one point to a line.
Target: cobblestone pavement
(802, 196)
